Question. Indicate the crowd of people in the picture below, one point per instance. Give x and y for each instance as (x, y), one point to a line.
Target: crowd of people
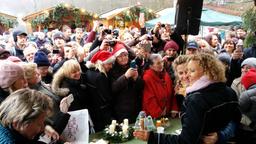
(117, 73)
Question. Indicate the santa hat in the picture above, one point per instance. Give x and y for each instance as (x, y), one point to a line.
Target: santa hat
(103, 57)
(249, 78)
(118, 49)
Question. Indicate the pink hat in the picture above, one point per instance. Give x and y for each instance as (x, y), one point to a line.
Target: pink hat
(9, 73)
(103, 56)
(171, 45)
(118, 49)
(14, 59)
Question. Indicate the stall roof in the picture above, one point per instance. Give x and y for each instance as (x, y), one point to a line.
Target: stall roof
(113, 12)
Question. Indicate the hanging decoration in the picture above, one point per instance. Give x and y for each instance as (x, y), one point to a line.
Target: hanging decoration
(7, 22)
(61, 14)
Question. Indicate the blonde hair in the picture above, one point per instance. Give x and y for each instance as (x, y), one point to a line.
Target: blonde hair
(99, 66)
(182, 59)
(29, 70)
(24, 106)
(213, 68)
(69, 66)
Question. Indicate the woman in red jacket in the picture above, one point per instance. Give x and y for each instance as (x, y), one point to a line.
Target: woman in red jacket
(158, 99)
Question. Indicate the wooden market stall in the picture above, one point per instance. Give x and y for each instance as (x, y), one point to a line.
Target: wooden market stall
(7, 21)
(126, 16)
(56, 17)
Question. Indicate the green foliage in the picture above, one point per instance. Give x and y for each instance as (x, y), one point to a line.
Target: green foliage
(59, 13)
(133, 14)
(7, 22)
(249, 23)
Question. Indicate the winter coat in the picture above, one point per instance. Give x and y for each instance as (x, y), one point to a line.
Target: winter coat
(207, 110)
(64, 86)
(127, 94)
(237, 86)
(9, 136)
(58, 120)
(247, 102)
(15, 51)
(158, 94)
(3, 95)
(250, 52)
(100, 98)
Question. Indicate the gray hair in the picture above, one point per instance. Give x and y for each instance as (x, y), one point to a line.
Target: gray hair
(24, 106)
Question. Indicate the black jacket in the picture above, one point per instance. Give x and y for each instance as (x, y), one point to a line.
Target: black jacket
(78, 89)
(207, 110)
(3, 95)
(100, 99)
(126, 94)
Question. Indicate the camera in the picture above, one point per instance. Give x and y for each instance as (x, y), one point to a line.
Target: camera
(55, 51)
(111, 43)
(150, 38)
(107, 31)
(101, 25)
(162, 25)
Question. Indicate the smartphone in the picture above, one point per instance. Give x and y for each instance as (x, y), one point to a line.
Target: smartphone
(133, 64)
(70, 99)
(55, 51)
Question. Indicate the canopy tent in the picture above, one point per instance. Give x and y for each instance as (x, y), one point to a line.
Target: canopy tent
(209, 18)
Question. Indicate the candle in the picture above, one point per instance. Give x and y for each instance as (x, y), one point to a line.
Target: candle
(114, 122)
(126, 122)
(125, 129)
(112, 128)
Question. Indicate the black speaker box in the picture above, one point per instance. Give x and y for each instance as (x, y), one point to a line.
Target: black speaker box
(188, 15)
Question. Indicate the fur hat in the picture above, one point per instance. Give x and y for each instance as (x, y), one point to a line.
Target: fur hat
(9, 73)
(249, 78)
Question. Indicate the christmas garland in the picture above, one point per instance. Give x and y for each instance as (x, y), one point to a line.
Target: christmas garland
(7, 22)
(133, 13)
(59, 13)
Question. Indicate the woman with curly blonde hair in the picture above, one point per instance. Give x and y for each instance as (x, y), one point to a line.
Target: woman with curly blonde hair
(208, 107)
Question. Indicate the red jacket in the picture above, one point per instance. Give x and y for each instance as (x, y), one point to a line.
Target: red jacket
(158, 94)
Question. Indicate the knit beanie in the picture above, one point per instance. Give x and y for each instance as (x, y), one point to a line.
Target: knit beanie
(249, 61)
(171, 45)
(249, 78)
(41, 59)
(18, 33)
(9, 73)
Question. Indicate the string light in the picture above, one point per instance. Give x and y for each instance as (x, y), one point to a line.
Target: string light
(67, 5)
(95, 16)
(83, 10)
